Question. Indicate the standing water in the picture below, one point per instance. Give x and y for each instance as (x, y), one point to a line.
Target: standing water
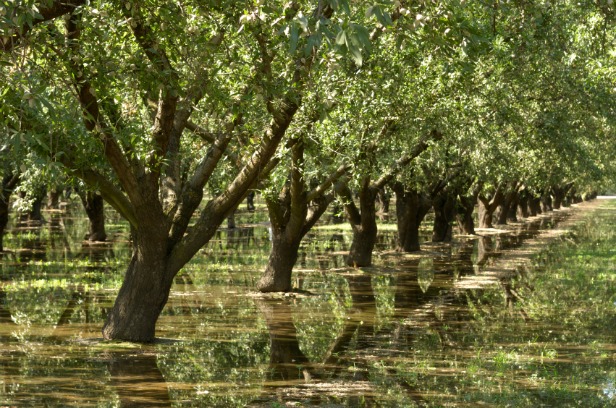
(521, 317)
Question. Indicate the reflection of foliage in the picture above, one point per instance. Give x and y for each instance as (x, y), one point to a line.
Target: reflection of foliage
(425, 273)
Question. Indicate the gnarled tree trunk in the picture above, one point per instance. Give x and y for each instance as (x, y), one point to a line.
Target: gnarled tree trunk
(292, 214)
(487, 206)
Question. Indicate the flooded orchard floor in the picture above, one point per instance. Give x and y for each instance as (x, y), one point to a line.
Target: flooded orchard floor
(520, 317)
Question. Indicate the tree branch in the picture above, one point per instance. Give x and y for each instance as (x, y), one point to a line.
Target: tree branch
(419, 148)
(168, 93)
(92, 117)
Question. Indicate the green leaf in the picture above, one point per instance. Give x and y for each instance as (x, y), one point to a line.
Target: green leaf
(341, 38)
(356, 55)
(294, 34)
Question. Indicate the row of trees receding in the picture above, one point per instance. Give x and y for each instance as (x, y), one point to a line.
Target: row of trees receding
(174, 111)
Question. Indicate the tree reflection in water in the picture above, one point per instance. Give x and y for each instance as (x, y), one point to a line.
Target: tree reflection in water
(137, 379)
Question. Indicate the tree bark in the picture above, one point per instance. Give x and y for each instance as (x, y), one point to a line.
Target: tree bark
(9, 182)
(464, 214)
(523, 204)
(512, 211)
(94, 206)
(546, 203)
(145, 288)
(502, 213)
(534, 206)
(411, 209)
(487, 207)
(444, 214)
(363, 223)
(282, 258)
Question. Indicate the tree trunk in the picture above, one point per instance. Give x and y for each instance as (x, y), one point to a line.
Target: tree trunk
(411, 208)
(512, 211)
(558, 197)
(546, 203)
(534, 206)
(94, 205)
(282, 258)
(486, 208)
(9, 182)
(145, 289)
(250, 201)
(364, 232)
(464, 210)
(444, 214)
(502, 211)
(4, 220)
(523, 204)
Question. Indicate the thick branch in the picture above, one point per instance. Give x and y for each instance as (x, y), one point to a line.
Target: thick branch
(168, 94)
(92, 117)
(110, 193)
(342, 190)
(319, 190)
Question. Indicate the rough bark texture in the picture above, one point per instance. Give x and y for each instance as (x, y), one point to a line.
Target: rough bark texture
(546, 203)
(94, 206)
(464, 214)
(282, 259)
(534, 206)
(411, 209)
(523, 204)
(487, 206)
(444, 214)
(158, 201)
(144, 291)
(364, 229)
